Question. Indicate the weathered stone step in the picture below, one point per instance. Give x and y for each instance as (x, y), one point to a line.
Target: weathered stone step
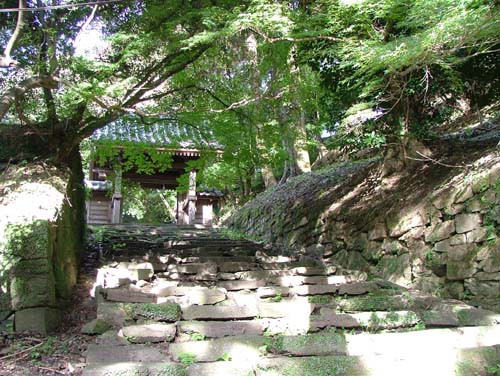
(354, 288)
(295, 308)
(237, 348)
(129, 294)
(288, 265)
(118, 314)
(423, 342)
(217, 259)
(366, 320)
(231, 267)
(255, 279)
(207, 267)
(97, 354)
(150, 333)
(219, 312)
(462, 362)
(306, 345)
(291, 281)
(313, 366)
(135, 368)
(238, 368)
(216, 329)
(241, 285)
(196, 295)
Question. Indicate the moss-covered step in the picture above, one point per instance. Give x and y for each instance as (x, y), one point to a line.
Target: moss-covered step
(216, 329)
(367, 320)
(387, 300)
(475, 361)
(307, 345)
(237, 348)
(119, 314)
(135, 368)
(311, 366)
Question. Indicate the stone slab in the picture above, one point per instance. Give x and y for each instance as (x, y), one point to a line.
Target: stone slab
(241, 285)
(135, 368)
(232, 267)
(218, 312)
(297, 309)
(268, 292)
(196, 294)
(221, 368)
(130, 353)
(96, 326)
(312, 366)
(314, 289)
(357, 288)
(467, 222)
(145, 333)
(309, 344)
(374, 320)
(285, 265)
(113, 313)
(129, 294)
(238, 348)
(42, 320)
(439, 319)
(314, 271)
(267, 275)
(291, 281)
(216, 329)
(425, 342)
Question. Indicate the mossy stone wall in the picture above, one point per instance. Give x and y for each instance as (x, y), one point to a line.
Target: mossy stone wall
(41, 237)
(436, 229)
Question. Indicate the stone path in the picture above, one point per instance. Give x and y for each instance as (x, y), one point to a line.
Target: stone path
(185, 301)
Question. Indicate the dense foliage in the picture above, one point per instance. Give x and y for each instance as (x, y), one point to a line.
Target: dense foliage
(264, 79)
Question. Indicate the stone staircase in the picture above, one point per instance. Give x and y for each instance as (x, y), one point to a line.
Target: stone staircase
(187, 301)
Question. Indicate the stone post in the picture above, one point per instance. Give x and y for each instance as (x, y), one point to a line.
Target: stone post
(192, 197)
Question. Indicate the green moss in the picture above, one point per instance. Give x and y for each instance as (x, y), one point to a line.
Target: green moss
(187, 358)
(319, 343)
(315, 366)
(377, 301)
(320, 299)
(171, 370)
(160, 312)
(27, 241)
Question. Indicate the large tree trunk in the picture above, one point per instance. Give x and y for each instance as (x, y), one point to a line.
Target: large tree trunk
(267, 171)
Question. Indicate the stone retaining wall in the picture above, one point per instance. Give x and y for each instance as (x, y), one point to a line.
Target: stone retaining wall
(437, 232)
(40, 239)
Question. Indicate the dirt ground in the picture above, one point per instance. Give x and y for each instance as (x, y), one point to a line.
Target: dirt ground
(61, 353)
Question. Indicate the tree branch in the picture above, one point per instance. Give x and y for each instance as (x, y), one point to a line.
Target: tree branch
(6, 60)
(61, 6)
(154, 83)
(312, 38)
(18, 92)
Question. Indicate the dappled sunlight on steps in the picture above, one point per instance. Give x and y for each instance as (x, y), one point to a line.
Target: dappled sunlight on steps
(187, 301)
